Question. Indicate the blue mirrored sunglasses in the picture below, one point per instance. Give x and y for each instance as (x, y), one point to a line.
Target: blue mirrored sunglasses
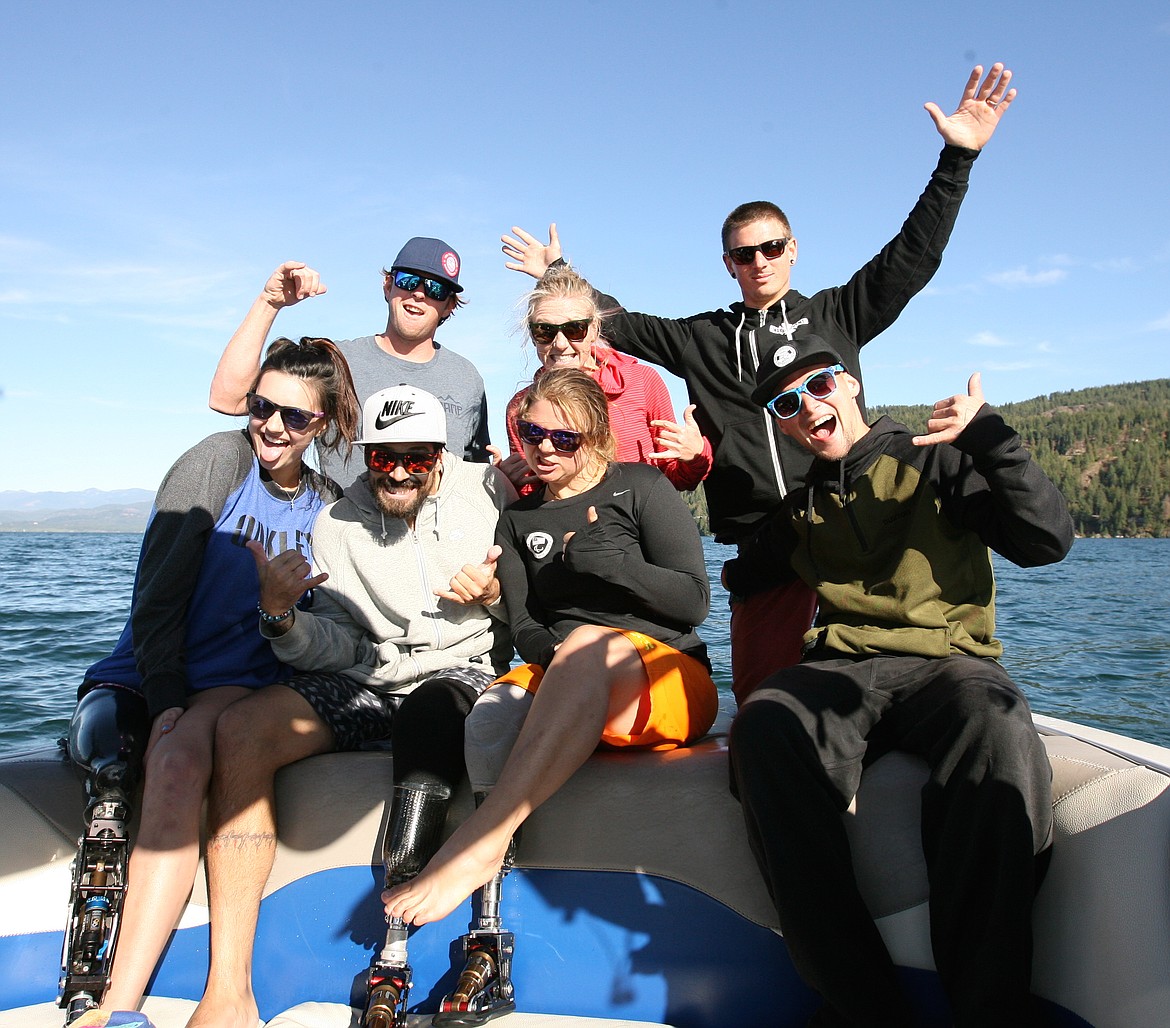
(435, 288)
(820, 385)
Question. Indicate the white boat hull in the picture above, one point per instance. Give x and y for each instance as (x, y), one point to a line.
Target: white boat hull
(636, 898)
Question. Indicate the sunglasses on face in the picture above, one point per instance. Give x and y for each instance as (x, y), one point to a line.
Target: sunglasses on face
(574, 331)
(820, 386)
(771, 249)
(435, 288)
(561, 438)
(380, 459)
(295, 418)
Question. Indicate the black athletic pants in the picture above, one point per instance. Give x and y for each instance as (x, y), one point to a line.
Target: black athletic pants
(797, 751)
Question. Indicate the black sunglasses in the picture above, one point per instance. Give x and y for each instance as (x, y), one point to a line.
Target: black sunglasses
(771, 249)
(562, 438)
(435, 288)
(296, 418)
(574, 331)
(380, 459)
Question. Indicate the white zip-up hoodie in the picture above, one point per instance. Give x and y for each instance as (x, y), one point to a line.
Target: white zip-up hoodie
(377, 619)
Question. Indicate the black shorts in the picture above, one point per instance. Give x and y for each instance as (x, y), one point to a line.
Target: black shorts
(357, 714)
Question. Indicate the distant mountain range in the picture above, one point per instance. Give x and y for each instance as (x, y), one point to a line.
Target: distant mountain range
(1105, 447)
(85, 510)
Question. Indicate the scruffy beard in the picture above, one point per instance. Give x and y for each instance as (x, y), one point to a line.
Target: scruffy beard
(398, 499)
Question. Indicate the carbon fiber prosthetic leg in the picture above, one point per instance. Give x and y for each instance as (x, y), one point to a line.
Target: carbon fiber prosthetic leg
(484, 989)
(107, 738)
(418, 813)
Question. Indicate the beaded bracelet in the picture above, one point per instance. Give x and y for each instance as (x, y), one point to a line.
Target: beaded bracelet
(271, 619)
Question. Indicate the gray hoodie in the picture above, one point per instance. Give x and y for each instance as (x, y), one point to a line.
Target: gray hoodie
(377, 618)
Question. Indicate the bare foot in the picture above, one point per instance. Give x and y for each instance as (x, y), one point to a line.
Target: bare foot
(460, 866)
(225, 1010)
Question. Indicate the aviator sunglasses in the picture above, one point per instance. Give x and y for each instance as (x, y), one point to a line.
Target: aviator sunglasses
(820, 386)
(379, 459)
(574, 331)
(771, 248)
(562, 438)
(435, 288)
(296, 418)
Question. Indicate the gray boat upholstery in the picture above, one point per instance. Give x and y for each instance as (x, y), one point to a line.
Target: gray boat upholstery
(1102, 916)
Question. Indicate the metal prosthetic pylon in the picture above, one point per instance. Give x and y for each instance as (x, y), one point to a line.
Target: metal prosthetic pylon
(484, 989)
(418, 813)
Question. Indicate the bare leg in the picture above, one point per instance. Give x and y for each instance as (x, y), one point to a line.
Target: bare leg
(256, 737)
(595, 679)
(166, 850)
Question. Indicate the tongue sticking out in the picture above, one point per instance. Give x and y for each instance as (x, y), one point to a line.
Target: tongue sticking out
(824, 429)
(271, 451)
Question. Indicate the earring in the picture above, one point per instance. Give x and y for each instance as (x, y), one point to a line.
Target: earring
(791, 260)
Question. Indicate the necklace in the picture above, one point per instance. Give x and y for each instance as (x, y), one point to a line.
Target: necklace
(290, 496)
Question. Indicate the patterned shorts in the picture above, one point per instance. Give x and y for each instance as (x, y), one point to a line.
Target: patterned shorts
(357, 714)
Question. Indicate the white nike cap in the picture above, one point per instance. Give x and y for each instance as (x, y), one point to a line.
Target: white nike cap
(403, 414)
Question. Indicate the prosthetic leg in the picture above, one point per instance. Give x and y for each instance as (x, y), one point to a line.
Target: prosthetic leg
(107, 737)
(484, 989)
(418, 813)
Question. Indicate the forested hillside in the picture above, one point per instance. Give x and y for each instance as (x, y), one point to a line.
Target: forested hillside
(1106, 447)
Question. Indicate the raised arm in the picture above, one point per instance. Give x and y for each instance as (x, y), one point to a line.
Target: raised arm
(982, 105)
(236, 371)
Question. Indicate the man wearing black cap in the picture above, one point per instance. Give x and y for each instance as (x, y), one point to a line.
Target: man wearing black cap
(422, 291)
(717, 352)
(892, 531)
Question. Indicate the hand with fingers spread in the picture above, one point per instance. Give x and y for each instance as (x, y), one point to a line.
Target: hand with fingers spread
(284, 579)
(982, 105)
(953, 414)
(291, 283)
(683, 442)
(475, 583)
(528, 253)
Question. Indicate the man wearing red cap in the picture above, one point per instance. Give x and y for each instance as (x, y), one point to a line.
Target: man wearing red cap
(422, 291)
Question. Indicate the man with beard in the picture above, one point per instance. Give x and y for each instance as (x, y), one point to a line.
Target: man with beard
(405, 631)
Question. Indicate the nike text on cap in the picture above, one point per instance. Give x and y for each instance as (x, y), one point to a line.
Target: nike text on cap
(403, 414)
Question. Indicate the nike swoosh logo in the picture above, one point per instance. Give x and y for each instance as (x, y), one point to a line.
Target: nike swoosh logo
(621, 492)
(381, 422)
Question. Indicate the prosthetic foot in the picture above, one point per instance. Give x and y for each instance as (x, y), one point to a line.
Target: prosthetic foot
(107, 738)
(418, 813)
(484, 989)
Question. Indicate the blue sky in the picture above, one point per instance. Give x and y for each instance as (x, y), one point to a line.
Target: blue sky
(158, 161)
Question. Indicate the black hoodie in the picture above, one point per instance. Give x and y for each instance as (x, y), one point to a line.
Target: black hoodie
(717, 353)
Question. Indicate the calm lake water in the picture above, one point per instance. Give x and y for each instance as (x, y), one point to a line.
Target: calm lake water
(1088, 639)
